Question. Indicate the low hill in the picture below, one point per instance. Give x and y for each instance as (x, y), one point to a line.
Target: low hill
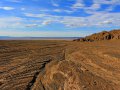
(104, 35)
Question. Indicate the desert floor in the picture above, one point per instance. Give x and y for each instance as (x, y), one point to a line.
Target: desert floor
(59, 65)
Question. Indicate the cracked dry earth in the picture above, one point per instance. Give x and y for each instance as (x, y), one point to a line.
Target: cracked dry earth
(59, 65)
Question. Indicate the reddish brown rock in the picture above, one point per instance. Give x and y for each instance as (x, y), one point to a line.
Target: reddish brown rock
(105, 35)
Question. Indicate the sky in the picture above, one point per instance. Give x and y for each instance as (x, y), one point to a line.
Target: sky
(58, 18)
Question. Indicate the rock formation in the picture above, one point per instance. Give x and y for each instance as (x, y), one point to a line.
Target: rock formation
(104, 35)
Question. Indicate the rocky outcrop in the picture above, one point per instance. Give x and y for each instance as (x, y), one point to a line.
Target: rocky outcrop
(105, 35)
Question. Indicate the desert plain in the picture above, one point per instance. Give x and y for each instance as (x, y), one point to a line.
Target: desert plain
(59, 65)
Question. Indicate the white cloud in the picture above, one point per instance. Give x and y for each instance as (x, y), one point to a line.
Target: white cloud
(106, 1)
(14, 0)
(63, 10)
(35, 15)
(7, 8)
(31, 25)
(23, 9)
(46, 22)
(10, 22)
(78, 4)
(68, 11)
(97, 19)
(106, 22)
(112, 3)
(54, 3)
(44, 10)
(38, 23)
(57, 10)
(18, 22)
(95, 6)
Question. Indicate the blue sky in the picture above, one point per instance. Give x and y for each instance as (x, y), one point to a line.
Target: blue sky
(58, 18)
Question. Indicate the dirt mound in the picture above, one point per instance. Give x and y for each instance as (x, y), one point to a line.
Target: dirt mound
(104, 35)
(67, 75)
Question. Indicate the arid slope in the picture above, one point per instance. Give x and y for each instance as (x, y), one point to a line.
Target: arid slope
(88, 66)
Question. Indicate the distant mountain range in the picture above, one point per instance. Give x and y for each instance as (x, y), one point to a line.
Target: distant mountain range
(4, 37)
(37, 38)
